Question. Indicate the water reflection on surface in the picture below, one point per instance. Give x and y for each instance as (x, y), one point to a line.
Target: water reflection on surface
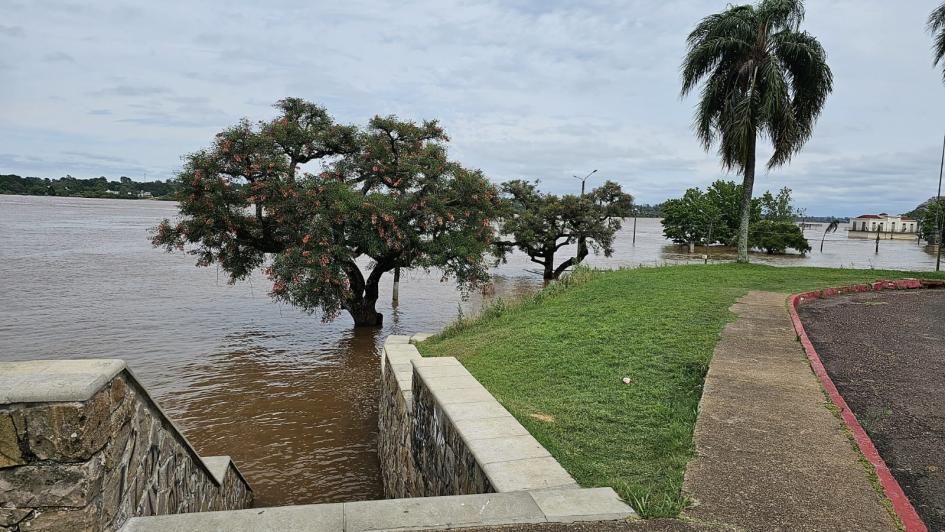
(291, 399)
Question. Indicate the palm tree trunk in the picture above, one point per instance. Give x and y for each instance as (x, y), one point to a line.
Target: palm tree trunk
(747, 185)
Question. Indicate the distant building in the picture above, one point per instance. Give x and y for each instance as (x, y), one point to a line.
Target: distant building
(112, 192)
(144, 194)
(886, 225)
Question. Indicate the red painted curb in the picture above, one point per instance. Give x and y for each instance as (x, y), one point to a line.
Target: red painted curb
(891, 488)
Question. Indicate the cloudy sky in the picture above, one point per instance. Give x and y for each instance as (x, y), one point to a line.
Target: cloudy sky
(525, 88)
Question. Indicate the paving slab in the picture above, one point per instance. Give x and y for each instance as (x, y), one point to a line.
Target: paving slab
(594, 504)
(445, 512)
(40, 381)
(309, 517)
(528, 474)
(770, 455)
(496, 427)
(505, 449)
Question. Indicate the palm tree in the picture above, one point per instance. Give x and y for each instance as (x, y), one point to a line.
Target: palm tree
(832, 228)
(936, 26)
(760, 75)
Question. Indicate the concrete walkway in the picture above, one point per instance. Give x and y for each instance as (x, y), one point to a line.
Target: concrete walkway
(769, 454)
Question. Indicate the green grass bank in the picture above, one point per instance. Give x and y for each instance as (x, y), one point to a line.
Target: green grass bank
(556, 361)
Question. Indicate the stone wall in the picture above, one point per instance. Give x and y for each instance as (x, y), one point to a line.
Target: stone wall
(442, 433)
(451, 457)
(83, 447)
(395, 412)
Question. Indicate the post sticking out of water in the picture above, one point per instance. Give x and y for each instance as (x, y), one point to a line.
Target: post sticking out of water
(396, 295)
(877, 241)
(634, 228)
(938, 212)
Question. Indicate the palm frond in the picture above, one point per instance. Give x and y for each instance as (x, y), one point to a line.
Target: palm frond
(936, 26)
(760, 75)
(804, 63)
(782, 13)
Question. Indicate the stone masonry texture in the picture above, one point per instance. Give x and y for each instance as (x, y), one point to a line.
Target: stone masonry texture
(92, 465)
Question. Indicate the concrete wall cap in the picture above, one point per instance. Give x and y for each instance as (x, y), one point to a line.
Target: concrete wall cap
(589, 504)
(309, 517)
(420, 337)
(217, 465)
(55, 381)
(423, 513)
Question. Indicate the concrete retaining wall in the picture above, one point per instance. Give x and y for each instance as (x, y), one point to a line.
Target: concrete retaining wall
(451, 457)
(442, 433)
(83, 447)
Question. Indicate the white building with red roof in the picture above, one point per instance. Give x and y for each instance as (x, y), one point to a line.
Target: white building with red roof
(888, 226)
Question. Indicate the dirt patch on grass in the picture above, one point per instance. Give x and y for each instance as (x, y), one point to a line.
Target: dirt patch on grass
(885, 351)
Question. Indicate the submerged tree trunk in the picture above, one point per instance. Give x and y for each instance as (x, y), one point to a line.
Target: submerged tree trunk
(364, 294)
(365, 315)
(747, 185)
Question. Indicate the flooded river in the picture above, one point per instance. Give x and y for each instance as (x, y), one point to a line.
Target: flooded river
(290, 398)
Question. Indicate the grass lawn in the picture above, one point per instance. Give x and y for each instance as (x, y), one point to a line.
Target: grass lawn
(556, 361)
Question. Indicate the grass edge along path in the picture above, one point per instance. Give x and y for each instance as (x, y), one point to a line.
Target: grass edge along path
(556, 361)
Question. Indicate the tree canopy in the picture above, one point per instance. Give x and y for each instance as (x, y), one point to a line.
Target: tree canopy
(779, 207)
(773, 236)
(327, 209)
(712, 217)
(706, 218)
(930, 216)
(540, 224)
(760, 75)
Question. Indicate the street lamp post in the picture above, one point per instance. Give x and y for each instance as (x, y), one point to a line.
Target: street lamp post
(584, 180)
(582, 244)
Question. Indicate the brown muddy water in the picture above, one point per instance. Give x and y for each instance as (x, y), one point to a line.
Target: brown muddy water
(291, 399)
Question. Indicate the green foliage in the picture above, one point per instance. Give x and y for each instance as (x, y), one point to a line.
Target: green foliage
(689, 218)
(648, 211)
(777, 236)
(541, 224)
(936, 26)
(779, 208)
(556, 364)
(697, 214)
(760, 75)
(99, 187)
(930, 216)
(385, 194)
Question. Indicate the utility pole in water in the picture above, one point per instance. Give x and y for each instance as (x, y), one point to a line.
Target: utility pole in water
(877, 239)
(938, 212)
(396, 298)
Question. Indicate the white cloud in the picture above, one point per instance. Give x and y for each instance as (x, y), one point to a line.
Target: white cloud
(526, 88)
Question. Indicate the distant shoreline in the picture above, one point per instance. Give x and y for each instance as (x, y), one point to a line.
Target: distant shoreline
(87, 196)
(98, 187)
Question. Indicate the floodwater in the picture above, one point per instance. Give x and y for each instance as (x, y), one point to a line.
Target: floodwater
(291, 399)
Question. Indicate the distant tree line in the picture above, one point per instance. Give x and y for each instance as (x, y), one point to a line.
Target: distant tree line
(98, 187)
(648, 211)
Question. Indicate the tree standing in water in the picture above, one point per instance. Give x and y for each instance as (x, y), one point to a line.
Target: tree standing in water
(541, 224)
(384, 197)
(760, 75)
